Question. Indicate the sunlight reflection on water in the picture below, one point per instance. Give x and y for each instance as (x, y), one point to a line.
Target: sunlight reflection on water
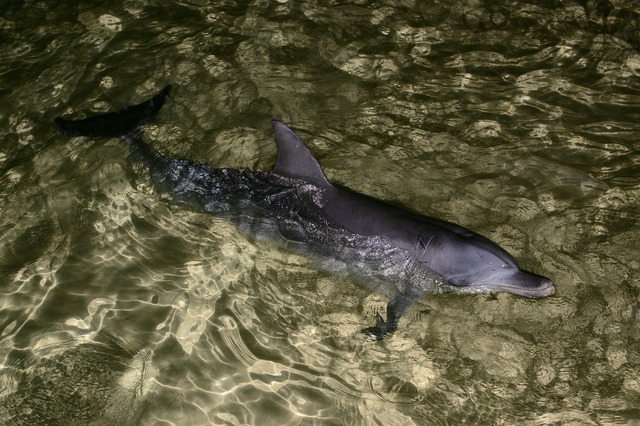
(517, 120)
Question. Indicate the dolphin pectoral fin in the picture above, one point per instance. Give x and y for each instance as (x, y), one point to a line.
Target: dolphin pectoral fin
(395, 309)
(382, 327)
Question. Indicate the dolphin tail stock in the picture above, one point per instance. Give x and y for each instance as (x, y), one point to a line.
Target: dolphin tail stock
(122, 125)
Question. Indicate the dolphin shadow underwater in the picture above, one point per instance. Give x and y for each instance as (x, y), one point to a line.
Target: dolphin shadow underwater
(398, 253)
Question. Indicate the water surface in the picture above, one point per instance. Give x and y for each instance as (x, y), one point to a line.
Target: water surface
(518, 120)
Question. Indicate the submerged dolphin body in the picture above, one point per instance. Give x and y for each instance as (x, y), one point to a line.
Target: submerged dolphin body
(390, 250)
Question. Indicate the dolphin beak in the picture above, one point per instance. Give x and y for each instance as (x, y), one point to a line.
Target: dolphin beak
(529, 285)
(547, 288)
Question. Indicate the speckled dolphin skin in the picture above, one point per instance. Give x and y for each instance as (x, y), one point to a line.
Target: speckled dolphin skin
(387, 249)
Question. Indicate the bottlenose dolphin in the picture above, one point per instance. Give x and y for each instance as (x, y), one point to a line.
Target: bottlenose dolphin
(388, 249)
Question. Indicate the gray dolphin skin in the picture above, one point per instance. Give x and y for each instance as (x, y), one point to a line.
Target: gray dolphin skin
(400, 254)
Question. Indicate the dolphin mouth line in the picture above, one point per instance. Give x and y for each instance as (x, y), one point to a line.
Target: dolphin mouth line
(543, 290)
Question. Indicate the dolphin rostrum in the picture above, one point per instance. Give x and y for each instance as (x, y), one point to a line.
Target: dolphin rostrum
(387, 249)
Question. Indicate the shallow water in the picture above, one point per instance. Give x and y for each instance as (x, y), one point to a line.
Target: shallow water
(518, 120)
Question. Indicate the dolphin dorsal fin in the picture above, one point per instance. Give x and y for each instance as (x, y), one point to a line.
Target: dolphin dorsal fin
(294, 158)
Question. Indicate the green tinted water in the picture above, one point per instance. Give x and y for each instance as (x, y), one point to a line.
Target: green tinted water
(515, 119)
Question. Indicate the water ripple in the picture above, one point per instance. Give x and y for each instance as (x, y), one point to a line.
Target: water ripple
(516, 119)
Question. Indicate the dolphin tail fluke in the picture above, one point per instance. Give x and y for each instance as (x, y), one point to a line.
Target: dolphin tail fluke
(121, 124)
